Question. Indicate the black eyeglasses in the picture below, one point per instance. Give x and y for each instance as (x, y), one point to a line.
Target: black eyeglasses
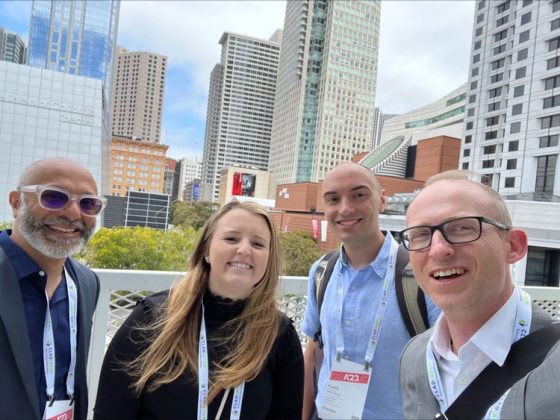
(457, 231)
(53, 198)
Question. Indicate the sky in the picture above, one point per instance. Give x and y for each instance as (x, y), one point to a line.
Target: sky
(424, 50)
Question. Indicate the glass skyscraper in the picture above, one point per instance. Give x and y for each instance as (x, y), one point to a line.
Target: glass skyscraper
(76, 37)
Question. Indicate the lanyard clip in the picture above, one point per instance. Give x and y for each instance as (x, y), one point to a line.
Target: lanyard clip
(367, 366)
(338, 357)
(71, 396)
(440, 416)
(51, 400)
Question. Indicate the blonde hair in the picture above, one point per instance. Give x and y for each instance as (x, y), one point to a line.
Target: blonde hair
(174, 343)
(501, 212)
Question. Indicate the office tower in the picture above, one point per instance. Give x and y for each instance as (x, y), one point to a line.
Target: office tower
(379, 119)
(137, 94)
(512, 119)
(189, 170)
(137, 166)
(240, 106)
(325, 95)
(74, 36)
(169, 177)
(12, 47)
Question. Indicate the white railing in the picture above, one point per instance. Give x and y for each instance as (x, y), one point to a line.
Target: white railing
(120, 290)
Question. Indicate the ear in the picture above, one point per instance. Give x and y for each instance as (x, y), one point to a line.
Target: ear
(517, 243)
(382, 200)
(15, 201)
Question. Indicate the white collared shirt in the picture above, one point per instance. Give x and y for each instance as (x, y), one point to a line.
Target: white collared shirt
(491, 342)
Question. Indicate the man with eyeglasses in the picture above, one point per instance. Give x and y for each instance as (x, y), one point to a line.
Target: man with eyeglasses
(47, 298)
(461, 245)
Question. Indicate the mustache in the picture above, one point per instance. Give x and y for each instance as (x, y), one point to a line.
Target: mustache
(62, 221)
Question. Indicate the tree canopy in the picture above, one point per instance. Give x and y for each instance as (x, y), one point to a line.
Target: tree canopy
(299, 252)
(194, 215)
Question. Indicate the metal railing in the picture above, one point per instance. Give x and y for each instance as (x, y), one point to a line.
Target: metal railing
(121, 289)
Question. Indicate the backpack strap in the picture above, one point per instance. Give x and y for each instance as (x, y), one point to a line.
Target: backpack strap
(524, 356)
(321, 278)
(411, 300)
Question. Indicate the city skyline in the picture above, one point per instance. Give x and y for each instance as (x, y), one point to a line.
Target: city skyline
(416, 66)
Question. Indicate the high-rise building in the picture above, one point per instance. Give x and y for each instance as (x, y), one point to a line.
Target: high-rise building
(325, 94)
(189, 170)
(12, 47)
(512, 117)
(240, 106)
(379, 119)
(74, 36)
(169, 177)
(137, 94)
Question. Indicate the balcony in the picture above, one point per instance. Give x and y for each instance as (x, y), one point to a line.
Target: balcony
(121, 289)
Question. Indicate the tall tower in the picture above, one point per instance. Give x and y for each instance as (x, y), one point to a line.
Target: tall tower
(325, 95)
(240, 106)
(137, 90)
(74, 36)
(12, 47)
(512, 121)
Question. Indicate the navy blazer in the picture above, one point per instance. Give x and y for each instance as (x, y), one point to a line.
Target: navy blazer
(18, 394)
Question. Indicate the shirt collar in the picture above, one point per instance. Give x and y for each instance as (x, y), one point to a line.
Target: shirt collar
(22, 263)
(379, 264)
(493, 338)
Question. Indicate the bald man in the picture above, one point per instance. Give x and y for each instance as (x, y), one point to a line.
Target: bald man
(47, 298)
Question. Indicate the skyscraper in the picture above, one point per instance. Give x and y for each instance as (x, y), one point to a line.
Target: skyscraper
(74, 36)
(137, 94)
(325, 95)
(379, 119)
(512, 118)
(240, 106)
(12, 47)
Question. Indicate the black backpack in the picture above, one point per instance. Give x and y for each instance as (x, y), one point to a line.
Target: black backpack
(410, 297)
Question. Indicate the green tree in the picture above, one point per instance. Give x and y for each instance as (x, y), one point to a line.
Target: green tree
(6, 225)
(140, 248)
(194, 215)
(299, 252)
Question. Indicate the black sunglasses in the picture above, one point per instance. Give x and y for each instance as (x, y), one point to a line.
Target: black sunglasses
(53, 198)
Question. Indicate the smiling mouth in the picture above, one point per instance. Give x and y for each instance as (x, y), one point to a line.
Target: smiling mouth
(241, 265)
(347, 223)
(449, 274)
(62, 229)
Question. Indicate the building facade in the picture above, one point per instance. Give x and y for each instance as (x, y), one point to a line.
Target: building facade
(325, 95)
(138, 87)
(379, 119)
(512, 121)
(44, 114)
(241, 182)
(137, 166)
(169, 177)
(12, 47)
(189, 170)
(240, 106)
(75, 37)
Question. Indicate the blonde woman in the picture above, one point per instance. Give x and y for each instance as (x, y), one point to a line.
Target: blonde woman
(215, 345)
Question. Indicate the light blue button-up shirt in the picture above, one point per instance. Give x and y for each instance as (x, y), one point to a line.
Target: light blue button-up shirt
(362, 292)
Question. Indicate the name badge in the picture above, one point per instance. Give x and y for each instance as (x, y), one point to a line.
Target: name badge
(59, 410)
(346, 392)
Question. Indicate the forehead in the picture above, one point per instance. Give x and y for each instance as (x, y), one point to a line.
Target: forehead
(241, 220)
(447, 199)
(65, 174)
(347, 178)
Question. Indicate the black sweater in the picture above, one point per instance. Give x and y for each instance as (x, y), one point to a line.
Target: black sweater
(276, 392)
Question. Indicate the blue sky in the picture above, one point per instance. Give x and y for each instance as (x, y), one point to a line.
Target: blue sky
(423, 53)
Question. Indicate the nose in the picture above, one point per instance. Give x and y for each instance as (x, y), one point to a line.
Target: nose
(244, 247)
(440, 247)
(345, 206)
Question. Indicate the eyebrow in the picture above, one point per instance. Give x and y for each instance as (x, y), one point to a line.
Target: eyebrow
(353, 189)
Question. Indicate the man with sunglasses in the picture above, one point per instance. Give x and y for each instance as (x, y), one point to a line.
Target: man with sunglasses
(47, 298)
(461, 245)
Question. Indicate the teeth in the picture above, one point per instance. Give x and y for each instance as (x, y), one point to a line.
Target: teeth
(347, 222)
(60, 229)
(450, 272)
(238, 264)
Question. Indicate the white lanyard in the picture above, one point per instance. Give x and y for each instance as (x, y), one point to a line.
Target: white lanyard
(49, 358)
(521, 329)
(380, 313)
(203, 379)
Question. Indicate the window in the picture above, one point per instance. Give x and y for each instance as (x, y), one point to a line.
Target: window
(526, 18)
(488, 150)
(497, 78)
(477, 44)
(498, 36)
(488, 163)
(555, 5)
(472, 99)
(468, 139)
(555, 24)
(517, 109)
(554, 44)
(486, 179)
(492, 93)
(502, 7)
(466, 152)
(492, 120)
(495, 65)
(511, 164)
(480, 18)
(513, 146)
(476, 58)
(550, 121)
(524, 36)
(546, 168)
(515, 127)
(465, 166)
(490, 135)
(481, 5)
(518, 91)
(527, 2)
(522, 54)
(474, 85)
(478, 31)
(494, 106)
(520, 72)
(552, 63)
(469, 125)
(551, 82)
(510, 182)
(502, 20)
(548, 141)
(470, 112)
(551, 102)
(474, 72)
(499, 49)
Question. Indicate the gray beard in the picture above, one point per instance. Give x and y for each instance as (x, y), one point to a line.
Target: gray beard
(36, 233)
